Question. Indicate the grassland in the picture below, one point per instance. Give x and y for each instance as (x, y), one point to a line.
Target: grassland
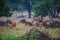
(21, 29)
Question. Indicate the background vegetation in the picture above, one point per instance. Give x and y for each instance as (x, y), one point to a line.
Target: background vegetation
(40, 7)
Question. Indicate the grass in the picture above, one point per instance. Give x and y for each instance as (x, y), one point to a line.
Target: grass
(53, 32)
(21, 29)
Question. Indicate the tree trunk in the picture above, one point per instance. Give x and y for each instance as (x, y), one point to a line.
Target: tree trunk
(29, 13)
(29, 10)
(57, 13)
(41, 17)
(54, 13)
(28, 7)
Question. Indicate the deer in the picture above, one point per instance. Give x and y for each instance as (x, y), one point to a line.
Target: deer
(39, 23)
(13, 24)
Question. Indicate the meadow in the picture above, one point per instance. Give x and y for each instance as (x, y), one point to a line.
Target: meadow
(20, 31)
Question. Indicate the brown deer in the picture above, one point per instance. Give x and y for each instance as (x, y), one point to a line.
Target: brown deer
(13, 24)
(39, 23)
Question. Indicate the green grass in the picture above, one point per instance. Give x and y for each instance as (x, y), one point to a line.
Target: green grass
(53, 32)
(19, 31)
(9, 36)
(32, 35)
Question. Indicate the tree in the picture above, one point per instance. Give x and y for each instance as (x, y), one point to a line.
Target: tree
(20, 5)
(56, 8)
(46, 7)
(42, 7)
(4, 9)
(28, 7)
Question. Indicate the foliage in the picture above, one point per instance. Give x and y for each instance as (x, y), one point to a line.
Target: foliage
(0, 36)
(20, 5)
(10, 37)
(45, 7)
(32, 35)
(23, 37)
(41, 7)
(4, 9)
